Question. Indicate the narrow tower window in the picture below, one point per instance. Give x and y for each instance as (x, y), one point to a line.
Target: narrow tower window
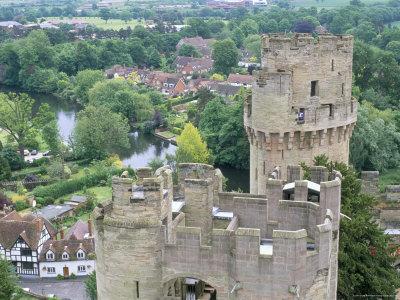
(137, 289)
(342, 89)
(314, 88)
(333, 65)
(331, 110)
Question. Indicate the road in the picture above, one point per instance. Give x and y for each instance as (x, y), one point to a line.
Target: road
(71, 289)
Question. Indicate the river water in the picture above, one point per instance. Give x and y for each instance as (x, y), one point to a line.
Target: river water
(143, 147)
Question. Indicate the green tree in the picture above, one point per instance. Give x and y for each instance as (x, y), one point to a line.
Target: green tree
(271, 26)
(137, 51)
(125, 16)
(98, 130)
(394, 47)
(17, 119)
(118, 96)
(191, 147)
(225, 56)
(249, 26)
(105, 14)
(238, 37)
(155, 163)
(253, 44)
(5, 170)
(155, 58)
(85, 80)
(8, 279)
(15, 160)
(91, 286)
(375, 143)
(56, 168)
(188, 51)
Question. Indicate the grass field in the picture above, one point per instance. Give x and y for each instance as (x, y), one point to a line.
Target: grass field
(389, 177)
(331, 3)
(115, 24)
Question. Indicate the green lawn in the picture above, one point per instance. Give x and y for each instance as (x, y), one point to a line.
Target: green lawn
(115, 24)
(330, 3)
(389, 177)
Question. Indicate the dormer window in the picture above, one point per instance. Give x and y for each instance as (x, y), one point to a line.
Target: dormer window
(80, 254)
(65, 256)
(50, 255)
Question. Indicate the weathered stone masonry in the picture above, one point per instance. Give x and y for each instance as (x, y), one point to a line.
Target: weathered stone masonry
(299, 76)
(143, 250)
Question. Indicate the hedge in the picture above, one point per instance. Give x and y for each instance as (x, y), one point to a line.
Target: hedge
(62, 188)
(23, 173)
(183, 101)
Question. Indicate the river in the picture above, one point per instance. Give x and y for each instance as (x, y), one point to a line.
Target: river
(143, 147)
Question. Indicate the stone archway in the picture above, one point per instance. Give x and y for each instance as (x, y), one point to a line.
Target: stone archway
(188, 288)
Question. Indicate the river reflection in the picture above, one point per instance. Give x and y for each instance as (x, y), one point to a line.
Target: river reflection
(143, 147)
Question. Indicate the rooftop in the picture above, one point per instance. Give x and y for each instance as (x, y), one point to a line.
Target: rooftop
(52, 211)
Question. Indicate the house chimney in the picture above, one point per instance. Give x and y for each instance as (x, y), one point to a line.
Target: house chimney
(90, 226)
(62, 232)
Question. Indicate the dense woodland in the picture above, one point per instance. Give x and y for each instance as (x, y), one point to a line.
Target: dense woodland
(47, 61)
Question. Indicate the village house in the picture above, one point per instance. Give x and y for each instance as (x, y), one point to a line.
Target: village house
(77, 24)
(173, 86)
(190, 65)
(240, 80)
(202, 45)
(227, 90)
(22, 239)
(119, 71)
(53, 211)
(9, 25)
(73, 254)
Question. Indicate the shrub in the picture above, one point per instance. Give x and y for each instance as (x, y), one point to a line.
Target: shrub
(75, 169)
(20, 188)
(72, 276)
(59, 277)
(61, 201)
(176, 130)
(20, 205)
(48, 200)
(39, 162)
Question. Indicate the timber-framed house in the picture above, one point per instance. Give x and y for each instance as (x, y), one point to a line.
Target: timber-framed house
(22, 239)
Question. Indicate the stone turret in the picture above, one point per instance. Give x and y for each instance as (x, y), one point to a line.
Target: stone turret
(301, 104)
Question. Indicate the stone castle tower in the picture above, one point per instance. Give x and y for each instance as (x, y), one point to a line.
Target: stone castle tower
(301, 104)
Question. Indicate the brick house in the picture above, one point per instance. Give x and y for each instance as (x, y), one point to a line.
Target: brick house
(202, 45)
(240, 80)
(191, 65)
(173, 86)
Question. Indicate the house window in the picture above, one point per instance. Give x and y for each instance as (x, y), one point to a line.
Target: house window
(314, 88)
(51, 270)
(50, 255)
(81, 268)
(65, 256)
(27, 265)
(80, 254)
(26, 252)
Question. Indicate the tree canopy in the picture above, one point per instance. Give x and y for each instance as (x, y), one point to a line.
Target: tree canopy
(191, 148)
(225, 56)
(17, 118)
(98, 130)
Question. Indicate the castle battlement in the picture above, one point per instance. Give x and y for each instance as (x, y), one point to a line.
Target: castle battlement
(156, 243)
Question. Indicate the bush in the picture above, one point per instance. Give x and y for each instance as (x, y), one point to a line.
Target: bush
(59, 277)
(177, 130)
(72, 276)
(48, 200)
(74, 169)
(21, 204)
(39, 162)
(20, 188)
(61, 201)
(23, 173)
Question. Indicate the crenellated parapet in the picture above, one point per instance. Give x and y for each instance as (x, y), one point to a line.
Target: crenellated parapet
(153, 243)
